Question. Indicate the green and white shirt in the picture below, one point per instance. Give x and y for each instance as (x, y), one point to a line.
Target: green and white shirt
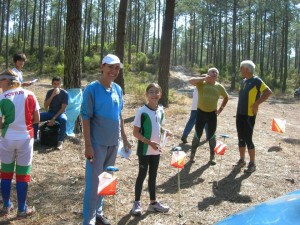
(17, 107)
(150, 123)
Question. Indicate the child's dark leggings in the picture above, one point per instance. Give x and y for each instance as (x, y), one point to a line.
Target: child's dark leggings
(146, 161)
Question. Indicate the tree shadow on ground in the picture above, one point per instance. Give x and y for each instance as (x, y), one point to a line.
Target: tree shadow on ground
(292, 141)
(187, 179)
(227, 189)
(126, 219)
(44, 149)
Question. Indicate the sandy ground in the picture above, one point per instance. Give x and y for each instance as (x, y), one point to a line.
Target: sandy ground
(57, 185)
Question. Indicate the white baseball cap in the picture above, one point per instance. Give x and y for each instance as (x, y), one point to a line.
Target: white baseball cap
(111, 59)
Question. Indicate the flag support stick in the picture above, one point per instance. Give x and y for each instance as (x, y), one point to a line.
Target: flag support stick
(223, 136)
(179, 195)
(219, 172)
(113, 169)
(178, 182)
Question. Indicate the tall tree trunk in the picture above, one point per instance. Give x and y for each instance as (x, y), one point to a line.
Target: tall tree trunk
(144, 29)
(275, 51)
(7, 32)
(33, 27)
(103, 31)
(72, 70)
(158, 26)
(249, 31)
(225, 37)
(263, 40)
(286, 31)
(84, 35)
(120, 44)
(165, 51)
(25, 26)
(233, 59)
(97, 24)
(42, 38)
(2, 24)
(154, 29)
(88, 33)
(129, 32)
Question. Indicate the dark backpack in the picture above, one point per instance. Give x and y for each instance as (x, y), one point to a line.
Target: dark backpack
(49, 134)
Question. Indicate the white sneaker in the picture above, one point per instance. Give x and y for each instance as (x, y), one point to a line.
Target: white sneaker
(158, 207)
(60, 145)
(136, 208)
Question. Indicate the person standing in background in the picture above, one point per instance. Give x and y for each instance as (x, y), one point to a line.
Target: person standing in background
(192, 119)
(253, 92)
(19, 61)
(209, 91)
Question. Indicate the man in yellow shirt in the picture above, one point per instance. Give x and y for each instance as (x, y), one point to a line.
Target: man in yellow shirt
(209, 91)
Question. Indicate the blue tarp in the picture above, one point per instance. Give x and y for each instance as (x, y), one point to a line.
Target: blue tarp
(284, 210)
(73, 109)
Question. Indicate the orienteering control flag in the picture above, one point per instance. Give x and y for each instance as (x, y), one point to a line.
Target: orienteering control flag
(107, 184)
(220, 148)
(178, 159)
(278, 125)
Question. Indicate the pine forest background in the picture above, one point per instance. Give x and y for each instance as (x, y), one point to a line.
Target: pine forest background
(205, 33)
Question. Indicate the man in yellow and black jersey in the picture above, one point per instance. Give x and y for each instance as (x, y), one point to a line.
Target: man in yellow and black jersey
(253, 91)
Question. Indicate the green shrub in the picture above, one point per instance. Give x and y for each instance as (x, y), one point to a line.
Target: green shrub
(60, 70)
(141, 61)
(49, 52)
(91, 63)
(49, 69)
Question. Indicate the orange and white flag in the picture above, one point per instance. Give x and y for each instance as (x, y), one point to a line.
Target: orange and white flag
(107, 184)
(220, 148)
(178, 159)
(278, 125)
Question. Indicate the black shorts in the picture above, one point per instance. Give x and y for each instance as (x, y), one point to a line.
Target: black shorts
(244, 126)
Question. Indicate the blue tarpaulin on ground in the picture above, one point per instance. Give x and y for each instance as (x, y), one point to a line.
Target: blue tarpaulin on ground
(283, 210)
(73, 109)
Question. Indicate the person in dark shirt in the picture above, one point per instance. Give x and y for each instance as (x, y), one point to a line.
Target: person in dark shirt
(253, 92)
(56, 102)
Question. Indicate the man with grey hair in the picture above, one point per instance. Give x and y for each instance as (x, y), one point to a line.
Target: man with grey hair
(253, 91)
(209, 91)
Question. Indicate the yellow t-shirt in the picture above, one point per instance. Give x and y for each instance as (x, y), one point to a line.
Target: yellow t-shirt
(208, 95)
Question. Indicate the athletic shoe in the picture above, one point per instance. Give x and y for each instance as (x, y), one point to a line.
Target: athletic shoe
(136, 208)
(184, 140)
(60, 145)
(6, 210)
(158, 207)
(241, 163)
(27, 212)
(251, 168)
(212, 160)
(101, 220)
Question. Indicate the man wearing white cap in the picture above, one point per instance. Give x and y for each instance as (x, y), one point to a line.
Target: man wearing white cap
(102, 123)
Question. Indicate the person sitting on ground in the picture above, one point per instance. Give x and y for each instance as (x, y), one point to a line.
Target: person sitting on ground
(19, 61)
(56, 102)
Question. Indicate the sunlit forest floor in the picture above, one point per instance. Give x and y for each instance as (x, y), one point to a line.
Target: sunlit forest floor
(57, 185)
